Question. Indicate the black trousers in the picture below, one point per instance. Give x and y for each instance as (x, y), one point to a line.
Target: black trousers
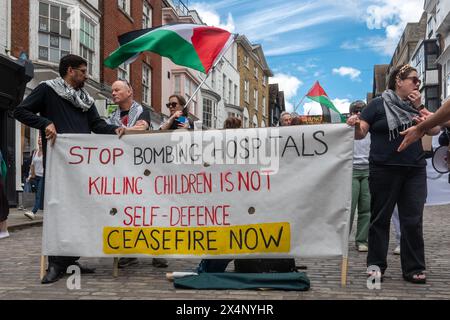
(4, 205)
(406, 187)
(62, 262)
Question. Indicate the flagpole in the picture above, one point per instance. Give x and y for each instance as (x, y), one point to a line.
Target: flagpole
(210, 71)
(295, 109)
(196, 90)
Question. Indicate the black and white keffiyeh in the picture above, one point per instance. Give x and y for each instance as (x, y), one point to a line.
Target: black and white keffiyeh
(133, 115)
(399, 113)
(79, 98)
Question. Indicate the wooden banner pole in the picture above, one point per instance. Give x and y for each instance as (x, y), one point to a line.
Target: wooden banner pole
(344, 272)
(42, 269)
(116, 267)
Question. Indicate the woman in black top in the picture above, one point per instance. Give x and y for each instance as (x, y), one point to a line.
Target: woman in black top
(396, 177)
(178, 114)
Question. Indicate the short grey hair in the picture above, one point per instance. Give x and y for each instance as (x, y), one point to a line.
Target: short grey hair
(284, 113)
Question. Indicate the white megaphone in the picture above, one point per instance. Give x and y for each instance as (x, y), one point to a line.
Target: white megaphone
(440, 159)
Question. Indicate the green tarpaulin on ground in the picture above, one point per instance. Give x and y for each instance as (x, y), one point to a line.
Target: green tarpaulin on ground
(296, 281)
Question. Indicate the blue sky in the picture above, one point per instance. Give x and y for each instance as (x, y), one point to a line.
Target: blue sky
(336, 42)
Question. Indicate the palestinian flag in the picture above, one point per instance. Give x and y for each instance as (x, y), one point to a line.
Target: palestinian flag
(190, 45)
(317, 94)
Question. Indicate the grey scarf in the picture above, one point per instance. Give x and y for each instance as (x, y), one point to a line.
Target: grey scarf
(133, 115)
(79, 98)
(399, 113)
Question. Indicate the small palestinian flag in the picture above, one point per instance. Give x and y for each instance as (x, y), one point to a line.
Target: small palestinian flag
(190, 45)
(317, 94)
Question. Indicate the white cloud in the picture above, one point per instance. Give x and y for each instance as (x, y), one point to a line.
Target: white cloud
(289, 106)
(256, 23)
(318, 74)
(308, 65)
(290, 16)
(378, 44)
(292, 49)
(382, 45)
(286, 27)
(212, 18)
(350, 45)
(348, 71)
(311, 63)
(225, 4)
(341, 104)
(289, 84)
(313, 108)
(391, 15)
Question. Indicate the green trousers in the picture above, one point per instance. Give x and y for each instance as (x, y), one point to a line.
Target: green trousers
(361, 200)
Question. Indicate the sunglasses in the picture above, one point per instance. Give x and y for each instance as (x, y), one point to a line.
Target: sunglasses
(415, 80)
(171, 105)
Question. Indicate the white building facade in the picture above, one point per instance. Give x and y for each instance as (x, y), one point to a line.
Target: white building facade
(439, 11)
(220, 93)
(178, 79)
(5, 26)
(424, 59)
(57, 28)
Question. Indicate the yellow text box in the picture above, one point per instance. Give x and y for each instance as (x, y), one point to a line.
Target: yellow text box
(255, 238)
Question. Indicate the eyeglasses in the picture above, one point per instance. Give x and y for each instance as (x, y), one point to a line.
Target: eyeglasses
(415, 80)
(171, 105)
(83, 71)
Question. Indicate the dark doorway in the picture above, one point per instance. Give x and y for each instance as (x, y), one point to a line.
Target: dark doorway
(8, 148)
(15, 75)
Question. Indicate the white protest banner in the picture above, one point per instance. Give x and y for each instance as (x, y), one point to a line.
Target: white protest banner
(266, 192)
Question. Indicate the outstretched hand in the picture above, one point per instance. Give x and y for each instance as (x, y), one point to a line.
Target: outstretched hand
(411, 134)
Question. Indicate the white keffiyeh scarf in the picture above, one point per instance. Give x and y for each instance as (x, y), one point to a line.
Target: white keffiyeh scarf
(79, 98)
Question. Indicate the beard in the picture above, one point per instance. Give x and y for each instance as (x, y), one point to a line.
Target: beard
(80, 85)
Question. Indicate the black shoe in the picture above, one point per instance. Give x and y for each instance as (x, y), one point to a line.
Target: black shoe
(84, 270)
(53, 274)
(126, 262)
(160, 263)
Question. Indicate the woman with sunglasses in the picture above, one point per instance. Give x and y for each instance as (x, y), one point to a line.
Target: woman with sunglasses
(395, 177)
(178, 114)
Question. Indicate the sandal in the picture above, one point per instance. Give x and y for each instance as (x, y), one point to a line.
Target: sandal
(418, 278)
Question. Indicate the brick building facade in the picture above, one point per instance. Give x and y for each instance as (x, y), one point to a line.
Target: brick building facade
(46, 30)
(144, 73)
(254, 83)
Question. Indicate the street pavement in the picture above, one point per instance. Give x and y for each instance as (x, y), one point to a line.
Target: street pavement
(20, 261)
(17, 219)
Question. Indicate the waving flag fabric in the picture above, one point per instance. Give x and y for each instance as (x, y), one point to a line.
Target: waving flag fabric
(190, 45)
(316, 93)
